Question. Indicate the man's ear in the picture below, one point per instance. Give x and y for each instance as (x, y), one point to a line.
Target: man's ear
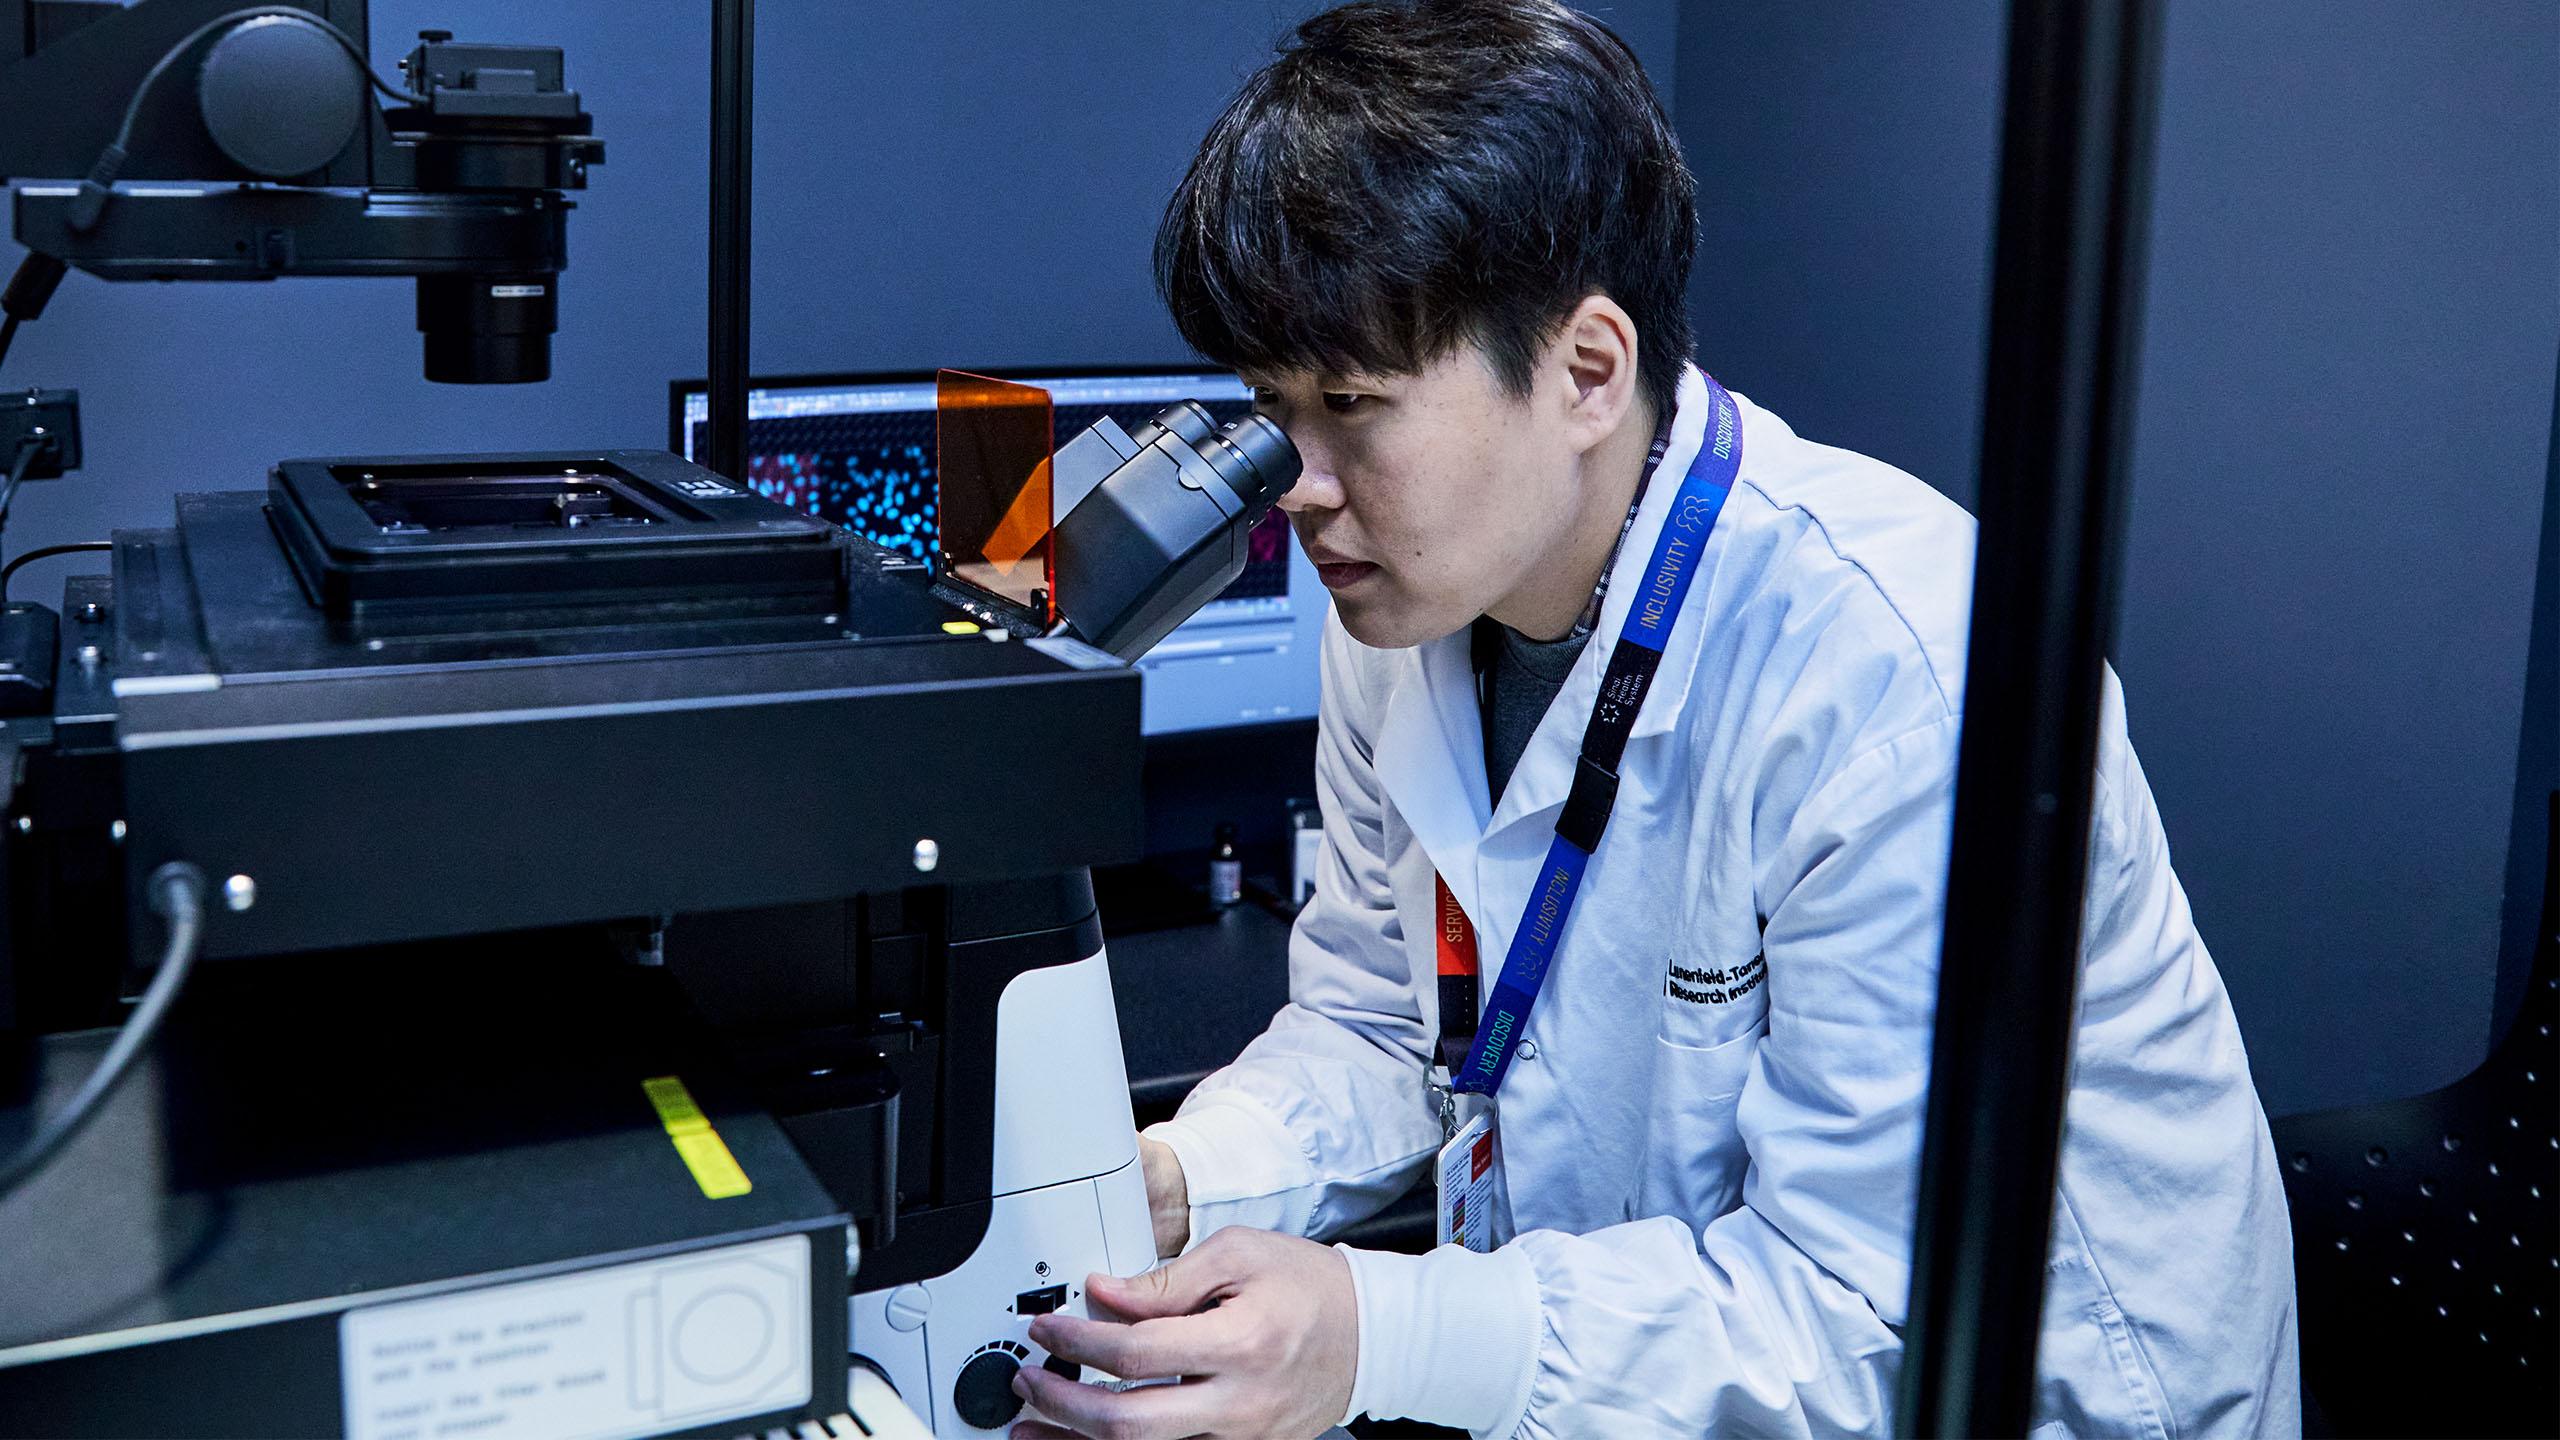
(1596, 351)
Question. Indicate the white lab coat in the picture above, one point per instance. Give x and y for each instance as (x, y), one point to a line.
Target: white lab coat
(1709, 1201)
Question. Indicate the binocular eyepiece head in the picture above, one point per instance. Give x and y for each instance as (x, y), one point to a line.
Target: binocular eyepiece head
(1250, 453)
(1161, 522)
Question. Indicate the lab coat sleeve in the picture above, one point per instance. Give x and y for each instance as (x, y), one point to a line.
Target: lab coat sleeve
(1323, 1119)
(1777, 1317)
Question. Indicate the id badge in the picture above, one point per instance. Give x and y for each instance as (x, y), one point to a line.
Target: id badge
(1464, 1212)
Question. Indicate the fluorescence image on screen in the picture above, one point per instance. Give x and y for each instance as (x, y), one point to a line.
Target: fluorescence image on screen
(869, 471)
(1266, 563)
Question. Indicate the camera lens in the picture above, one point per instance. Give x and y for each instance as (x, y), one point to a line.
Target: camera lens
(488, 329)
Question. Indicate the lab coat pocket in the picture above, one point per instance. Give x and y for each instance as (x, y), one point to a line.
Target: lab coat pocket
(2093, 1377)
(2143, 1395)
(1693, 1158)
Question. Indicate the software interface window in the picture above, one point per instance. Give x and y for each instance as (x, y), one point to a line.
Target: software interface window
(860, 452)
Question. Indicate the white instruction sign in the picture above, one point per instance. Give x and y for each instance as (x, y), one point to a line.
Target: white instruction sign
(631, 1350)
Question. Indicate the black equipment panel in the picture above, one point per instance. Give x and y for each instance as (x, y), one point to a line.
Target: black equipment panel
(323, 1136)
(483, 769)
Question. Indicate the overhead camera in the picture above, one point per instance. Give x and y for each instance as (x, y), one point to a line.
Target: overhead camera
(265, 156)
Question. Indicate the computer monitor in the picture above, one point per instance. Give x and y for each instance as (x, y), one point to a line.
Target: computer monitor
(859, 450)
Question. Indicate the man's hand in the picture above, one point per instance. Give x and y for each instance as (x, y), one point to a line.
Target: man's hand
(1168, 1196)
(1263, 1330)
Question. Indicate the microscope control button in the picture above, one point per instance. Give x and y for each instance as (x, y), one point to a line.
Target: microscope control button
(907, 1307)
(984, 1394)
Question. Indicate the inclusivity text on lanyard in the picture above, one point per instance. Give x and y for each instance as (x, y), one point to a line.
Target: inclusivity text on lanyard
(1623, 686)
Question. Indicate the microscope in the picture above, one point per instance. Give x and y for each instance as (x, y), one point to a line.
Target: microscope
(546, 943)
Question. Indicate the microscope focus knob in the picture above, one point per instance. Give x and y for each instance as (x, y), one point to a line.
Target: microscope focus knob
(984, 1393)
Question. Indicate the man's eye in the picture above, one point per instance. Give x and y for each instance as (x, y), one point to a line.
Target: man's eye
(1342, 402)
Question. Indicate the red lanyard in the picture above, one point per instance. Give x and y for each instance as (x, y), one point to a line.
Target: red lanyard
(1456, 942)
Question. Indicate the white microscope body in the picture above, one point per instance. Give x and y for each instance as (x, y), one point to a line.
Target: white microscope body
(1070, 1200)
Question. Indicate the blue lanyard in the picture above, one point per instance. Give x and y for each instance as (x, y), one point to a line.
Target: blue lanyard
(1638, 653)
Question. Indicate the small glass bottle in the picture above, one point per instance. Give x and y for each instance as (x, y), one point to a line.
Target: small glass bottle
(1226, 872)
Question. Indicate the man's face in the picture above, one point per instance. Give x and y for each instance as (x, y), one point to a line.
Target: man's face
(1426, 498)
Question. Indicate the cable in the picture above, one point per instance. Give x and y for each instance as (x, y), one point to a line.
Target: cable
(46, 553)
(178, 895)
(28, 450)
(25, 460)
(30, 287)
(95, 191)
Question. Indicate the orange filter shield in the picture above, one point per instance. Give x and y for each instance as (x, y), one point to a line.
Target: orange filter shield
(992, 443)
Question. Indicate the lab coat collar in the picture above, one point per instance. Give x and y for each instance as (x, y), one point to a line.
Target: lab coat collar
(1545, 771)
(1430, 759)
(1430, 749)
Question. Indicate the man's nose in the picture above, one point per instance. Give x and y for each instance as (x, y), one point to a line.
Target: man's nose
(1318, 488)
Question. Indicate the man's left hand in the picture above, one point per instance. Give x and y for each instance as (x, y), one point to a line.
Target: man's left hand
(1261, 1329)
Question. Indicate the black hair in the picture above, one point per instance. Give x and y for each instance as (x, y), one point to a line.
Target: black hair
(1412, 175)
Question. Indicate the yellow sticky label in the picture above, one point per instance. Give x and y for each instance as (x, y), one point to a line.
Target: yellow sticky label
(713, 1167)
(697, 1144)
(958, 627)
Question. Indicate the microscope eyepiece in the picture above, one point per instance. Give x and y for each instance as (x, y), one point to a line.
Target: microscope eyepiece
(1188, 420)
(1254, 456)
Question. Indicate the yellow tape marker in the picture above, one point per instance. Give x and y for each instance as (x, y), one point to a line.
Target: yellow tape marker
(697, 1144)
(958, 627)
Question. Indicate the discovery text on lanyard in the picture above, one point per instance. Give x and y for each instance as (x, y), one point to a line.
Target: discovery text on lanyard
(1632, 663)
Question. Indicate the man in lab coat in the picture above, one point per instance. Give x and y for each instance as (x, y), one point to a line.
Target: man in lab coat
(1450, 244)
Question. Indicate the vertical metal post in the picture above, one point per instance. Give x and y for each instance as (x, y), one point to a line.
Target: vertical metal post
(733, 48)
(2057, 408)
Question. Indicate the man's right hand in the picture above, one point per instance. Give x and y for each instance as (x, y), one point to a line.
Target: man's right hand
(1168, 1197)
